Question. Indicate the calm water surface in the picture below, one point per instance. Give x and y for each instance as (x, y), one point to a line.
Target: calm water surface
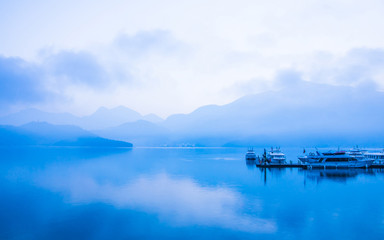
(158, 193)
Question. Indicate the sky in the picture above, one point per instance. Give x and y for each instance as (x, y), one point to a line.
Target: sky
(167, 57)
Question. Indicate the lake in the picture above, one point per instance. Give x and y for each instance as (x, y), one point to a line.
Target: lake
(181, 193)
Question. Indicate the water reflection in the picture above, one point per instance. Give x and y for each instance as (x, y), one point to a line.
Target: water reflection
(266, 173)
(250, 164)
(271, 173)
(181, 201)
(337, 175)
(157, 194)
(313, 175)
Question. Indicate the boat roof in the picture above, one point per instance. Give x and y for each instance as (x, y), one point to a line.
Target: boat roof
(374, 153)
(276, 153)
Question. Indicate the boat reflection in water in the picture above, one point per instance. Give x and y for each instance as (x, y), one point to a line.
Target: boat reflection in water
(250, 163)
(316, 175)
(337, 175)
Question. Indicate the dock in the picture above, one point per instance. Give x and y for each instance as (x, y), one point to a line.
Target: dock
(377, 166)
(280, 165)
(296, 165)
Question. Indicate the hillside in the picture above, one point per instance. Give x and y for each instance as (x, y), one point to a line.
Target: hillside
(100, 119)
(306, 114)
(40, 133)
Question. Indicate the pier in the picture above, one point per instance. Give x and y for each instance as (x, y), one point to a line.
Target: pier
(354, 158)
(297, 165)
(289, 165)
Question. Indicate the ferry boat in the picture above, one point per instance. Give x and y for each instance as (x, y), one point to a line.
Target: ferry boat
(276, 156)
(273, 157)
(378, 157)
(250, 155)
(357, 153)
(334, 159)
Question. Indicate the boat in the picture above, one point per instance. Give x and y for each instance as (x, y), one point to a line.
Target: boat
(357, 153)
(275, 157)
(378, 157)
(334, 159)
(250, 155)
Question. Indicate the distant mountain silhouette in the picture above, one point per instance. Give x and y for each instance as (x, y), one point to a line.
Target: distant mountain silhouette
(102, 118)
(153, 118)
(41, 133)
(306, 114)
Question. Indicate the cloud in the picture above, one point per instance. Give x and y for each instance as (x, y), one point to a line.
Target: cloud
(362, 68)
(21, 82)
(79, 68)
(54, 80)
(147, 43)
(359, 66)
(57, 79)
(150, 68)
(262, 38)
(288, 78)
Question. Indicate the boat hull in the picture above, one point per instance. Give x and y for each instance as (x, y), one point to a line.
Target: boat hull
(277, 162)
(250, 156)
(349, 164)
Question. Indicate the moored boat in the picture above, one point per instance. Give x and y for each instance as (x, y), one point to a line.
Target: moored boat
(334, 159)
(250, 155)
(357, 153)
(274, 157)
(378, 156)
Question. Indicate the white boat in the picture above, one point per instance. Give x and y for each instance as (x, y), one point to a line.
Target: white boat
(274, 157)
(357, 153)
(334, 159)
(378, 157)
(250, 155)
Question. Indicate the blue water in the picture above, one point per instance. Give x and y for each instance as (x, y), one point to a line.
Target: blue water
(181, 193)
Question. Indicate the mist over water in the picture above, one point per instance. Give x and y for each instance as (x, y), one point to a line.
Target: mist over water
(89, 193)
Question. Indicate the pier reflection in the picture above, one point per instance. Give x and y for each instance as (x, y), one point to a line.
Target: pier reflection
(337, 175)
(268, 174)
(271, 173)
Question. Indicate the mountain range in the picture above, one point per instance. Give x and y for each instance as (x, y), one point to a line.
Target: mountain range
(102, 118)
(304, 114)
